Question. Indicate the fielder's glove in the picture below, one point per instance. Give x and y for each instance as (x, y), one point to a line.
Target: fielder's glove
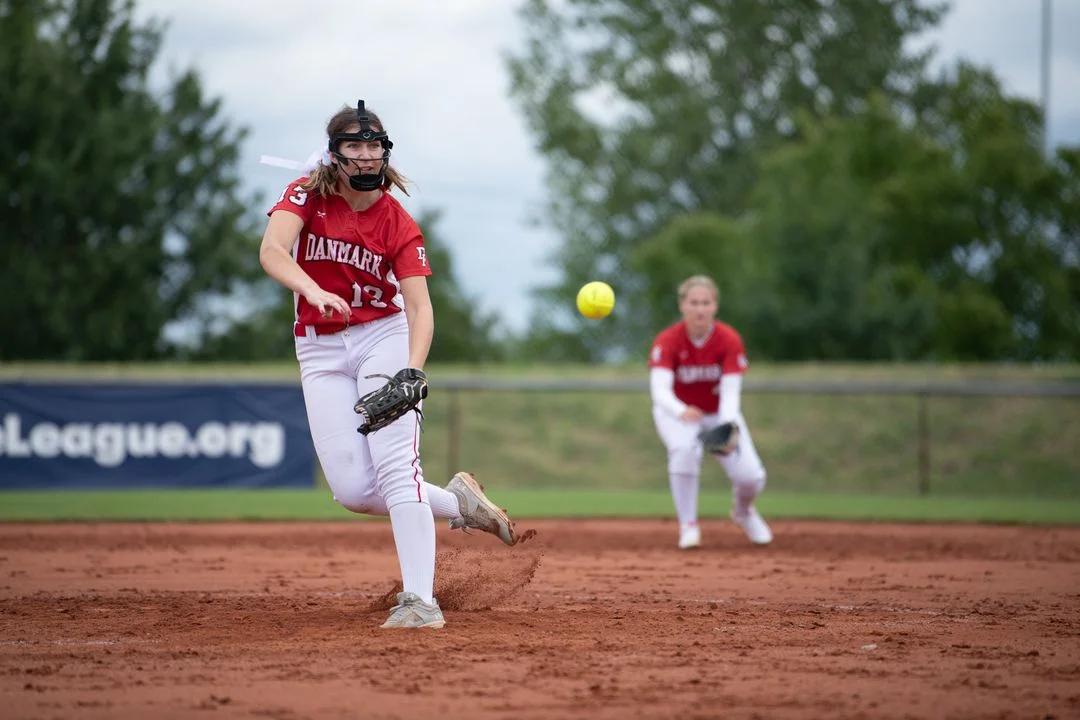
(721, 440)
(399, 395)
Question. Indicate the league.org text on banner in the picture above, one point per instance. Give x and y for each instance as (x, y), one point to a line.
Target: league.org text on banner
(172, 435)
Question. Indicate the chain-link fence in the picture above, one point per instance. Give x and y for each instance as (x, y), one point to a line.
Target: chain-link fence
(829, 437)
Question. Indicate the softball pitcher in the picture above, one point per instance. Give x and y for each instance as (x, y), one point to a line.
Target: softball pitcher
(356, 263)
(695, 380)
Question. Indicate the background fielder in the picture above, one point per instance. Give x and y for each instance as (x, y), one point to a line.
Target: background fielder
(695, 381)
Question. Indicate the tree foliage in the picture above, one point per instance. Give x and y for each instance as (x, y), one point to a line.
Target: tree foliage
(941, 236)
(1018, 252)
(463, 333)
(849, 204)
(647, 111)
(119, 206)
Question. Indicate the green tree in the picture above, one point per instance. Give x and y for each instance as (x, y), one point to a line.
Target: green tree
(264, 333)
(687, 245)
(885, 236)
(463, 333)
(1017, 259)
(646, 111)
(846, 221)
(119, 210)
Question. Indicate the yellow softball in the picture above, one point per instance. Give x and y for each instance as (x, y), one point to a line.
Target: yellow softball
(595, 300)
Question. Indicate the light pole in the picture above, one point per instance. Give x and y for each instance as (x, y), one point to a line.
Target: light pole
(1044, 98)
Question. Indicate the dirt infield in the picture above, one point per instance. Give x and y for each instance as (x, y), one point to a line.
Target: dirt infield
(599, 619)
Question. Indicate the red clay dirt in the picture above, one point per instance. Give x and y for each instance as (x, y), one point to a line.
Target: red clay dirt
(591, 619)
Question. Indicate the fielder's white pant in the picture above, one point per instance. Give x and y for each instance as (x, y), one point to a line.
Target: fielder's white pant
(367, 473)
(743, 467)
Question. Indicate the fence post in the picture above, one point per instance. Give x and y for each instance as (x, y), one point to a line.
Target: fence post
(924, 445)
(453, 450)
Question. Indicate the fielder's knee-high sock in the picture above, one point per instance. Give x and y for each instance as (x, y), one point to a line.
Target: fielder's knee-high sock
(444, 503)
(744, 492)
(684, 493)
(414, 535)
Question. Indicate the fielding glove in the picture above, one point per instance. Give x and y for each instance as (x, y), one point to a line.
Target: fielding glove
(399, 395)
(721, 440)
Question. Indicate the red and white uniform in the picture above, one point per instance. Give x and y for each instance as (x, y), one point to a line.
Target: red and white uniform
(706, 375)
(698, 368)
(359, 256)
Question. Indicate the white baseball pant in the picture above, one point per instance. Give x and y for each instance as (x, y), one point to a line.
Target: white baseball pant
(743, 467)
(367, 473)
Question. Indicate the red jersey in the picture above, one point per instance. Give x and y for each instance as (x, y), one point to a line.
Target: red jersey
(360, 256)
(698, 368)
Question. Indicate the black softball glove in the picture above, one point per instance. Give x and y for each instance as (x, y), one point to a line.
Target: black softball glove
(721, 440)
(399, 395)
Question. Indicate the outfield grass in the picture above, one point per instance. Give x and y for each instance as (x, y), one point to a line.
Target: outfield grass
(220, 505)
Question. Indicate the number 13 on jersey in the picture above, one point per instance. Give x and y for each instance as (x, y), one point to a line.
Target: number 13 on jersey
(297, 197)
(368, 294)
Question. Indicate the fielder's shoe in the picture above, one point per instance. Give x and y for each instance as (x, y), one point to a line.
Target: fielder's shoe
(689, 536)
(753, 525)
(412, 612)
(477, 512)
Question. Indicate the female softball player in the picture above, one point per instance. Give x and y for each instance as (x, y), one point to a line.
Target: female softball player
(356, 264)
(695, 380)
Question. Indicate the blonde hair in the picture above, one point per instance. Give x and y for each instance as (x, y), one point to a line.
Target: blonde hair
(323, 180)
(698, 281)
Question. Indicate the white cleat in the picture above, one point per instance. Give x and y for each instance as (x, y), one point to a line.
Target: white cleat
(477, 512)
(755, 527)
(689, 536)
(413, 613)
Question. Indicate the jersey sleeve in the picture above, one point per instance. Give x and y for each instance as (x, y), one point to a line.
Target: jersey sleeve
(294, 199)
(662, 355)
(734, 359)
(410, 259)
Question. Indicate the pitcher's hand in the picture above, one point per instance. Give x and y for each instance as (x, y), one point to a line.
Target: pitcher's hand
(691, 414)
(327, 302)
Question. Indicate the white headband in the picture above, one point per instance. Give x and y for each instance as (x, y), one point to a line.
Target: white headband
(317, 158)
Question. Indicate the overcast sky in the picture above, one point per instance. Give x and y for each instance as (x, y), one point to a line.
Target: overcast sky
(433, 67)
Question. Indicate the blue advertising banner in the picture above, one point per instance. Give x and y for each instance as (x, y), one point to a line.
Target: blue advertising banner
(166, 435)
